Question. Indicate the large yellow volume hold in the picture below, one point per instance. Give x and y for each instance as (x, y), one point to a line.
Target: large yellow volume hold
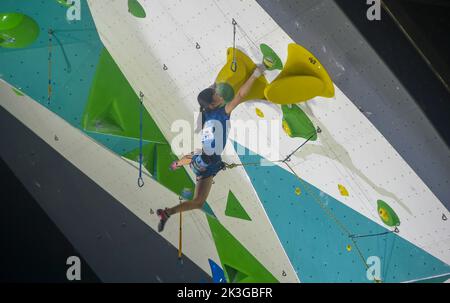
(302, 78)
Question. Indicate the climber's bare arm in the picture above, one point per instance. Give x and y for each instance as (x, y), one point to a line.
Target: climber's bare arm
(241, 94)
(244, 90)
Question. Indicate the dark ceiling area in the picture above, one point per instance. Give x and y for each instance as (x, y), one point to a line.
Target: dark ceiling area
(412, 38)
(427, 22)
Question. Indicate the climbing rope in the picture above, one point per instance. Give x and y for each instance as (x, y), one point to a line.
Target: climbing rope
(317, 131)
(50, 42)
(249, 40)
(141, 110)
(286, 159)
(396, 230)
(51, 36)
(66, 59)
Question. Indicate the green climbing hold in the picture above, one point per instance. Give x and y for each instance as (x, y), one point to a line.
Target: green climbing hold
(239, 265)
(270, 59)
(17, 30)
(387, 214)
(225, 90)
(136, 9)
(297, 124)
(234, 208)
(66, 3)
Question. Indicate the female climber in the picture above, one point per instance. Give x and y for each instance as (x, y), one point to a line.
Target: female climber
(208, 162)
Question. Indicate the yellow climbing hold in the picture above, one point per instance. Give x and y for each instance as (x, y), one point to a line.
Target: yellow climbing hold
(302, 78)
(349, 247)
(343, 190)
(298, 191)
(384, 215)
(387, 214)
(228, 81)
(268, 62)
(259, 113)
(286, 128)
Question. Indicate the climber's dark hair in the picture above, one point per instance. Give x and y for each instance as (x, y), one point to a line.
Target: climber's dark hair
(204, 99)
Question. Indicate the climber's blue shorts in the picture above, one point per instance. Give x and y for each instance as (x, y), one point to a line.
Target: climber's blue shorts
(203, 170)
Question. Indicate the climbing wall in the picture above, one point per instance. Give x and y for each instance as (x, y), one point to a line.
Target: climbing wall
(349, 162)
(345, 196)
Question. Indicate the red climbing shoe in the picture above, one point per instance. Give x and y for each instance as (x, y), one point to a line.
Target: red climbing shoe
(163, 217)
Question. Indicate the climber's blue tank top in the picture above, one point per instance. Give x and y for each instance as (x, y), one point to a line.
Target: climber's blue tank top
(215, 132)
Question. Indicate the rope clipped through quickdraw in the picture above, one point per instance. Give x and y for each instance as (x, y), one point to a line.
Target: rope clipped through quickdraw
(396, 230)
(50, 46)
(141, 110)
(315, 132)
(234, 63)
(246, 36)
(233, 165)
(286, 159)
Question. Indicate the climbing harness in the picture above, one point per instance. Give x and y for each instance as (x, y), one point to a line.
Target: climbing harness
(141, 110)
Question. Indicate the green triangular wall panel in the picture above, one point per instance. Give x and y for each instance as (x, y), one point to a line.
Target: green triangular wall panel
(235, 209)
(238, 263)
(113, 106)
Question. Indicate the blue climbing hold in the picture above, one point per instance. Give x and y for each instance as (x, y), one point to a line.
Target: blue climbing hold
(217, 272)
